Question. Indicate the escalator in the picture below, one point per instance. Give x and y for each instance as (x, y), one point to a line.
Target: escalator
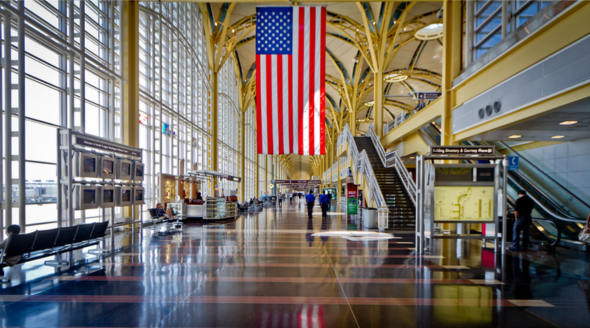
(555, 223)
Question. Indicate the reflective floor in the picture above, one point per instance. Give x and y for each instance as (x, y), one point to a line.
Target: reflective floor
(276, 268)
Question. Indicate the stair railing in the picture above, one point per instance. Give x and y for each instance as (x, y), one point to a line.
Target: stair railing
(392, 159)
(362, 165)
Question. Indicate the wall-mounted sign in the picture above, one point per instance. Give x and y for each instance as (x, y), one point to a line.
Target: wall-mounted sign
(462, 150)
(106, 147)
(143, 118)
(512, 163)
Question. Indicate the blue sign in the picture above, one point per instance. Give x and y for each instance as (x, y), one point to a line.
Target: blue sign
(512, 163)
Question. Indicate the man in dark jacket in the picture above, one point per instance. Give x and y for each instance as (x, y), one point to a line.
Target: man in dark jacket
(310, 199)
(325, 205)
(522, 213)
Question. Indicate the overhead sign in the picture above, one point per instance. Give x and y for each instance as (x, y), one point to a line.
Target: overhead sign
(462, 150)
(235, 179)
(428, 95)
(81, 141)
(512, 163)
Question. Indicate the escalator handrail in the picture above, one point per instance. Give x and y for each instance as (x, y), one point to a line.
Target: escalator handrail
(542, 193)
(575, 220)
(557, 227)
(545, 174)
(558, 237)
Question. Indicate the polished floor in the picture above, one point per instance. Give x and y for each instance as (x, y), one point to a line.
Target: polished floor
(276, 268)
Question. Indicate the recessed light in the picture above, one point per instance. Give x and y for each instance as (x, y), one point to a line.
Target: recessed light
(412, 157)
(568, 122)
(514, 136)
(557, 137)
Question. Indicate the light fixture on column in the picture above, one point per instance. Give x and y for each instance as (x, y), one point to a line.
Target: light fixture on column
(430, 32)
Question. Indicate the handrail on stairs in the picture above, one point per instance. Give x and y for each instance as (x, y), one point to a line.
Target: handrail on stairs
(392, 159)
(362, 165)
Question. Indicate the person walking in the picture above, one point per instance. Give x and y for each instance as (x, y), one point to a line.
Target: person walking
(280, 196)
(310, 199)
(522, 213)
(325, 205)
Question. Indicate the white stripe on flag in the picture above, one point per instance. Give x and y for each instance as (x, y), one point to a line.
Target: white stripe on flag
(275, 105)
(306, 94)
(316, 85)
(263, 122)
(285, 94)
(295, 72)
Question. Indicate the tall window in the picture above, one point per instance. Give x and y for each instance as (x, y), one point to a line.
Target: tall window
(488, 20)
(174, 93)
(72, 78)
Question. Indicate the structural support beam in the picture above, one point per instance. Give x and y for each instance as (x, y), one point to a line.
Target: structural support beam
(451, 64)
(130, 53)
(213, 119)
(378, 92)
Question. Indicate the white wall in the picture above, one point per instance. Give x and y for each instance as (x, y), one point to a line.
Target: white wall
(569, 164)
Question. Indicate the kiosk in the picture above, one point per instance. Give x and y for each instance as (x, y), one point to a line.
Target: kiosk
(218, 207)
(459, 193)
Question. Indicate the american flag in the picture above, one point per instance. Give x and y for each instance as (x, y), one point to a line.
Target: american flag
(290, 80)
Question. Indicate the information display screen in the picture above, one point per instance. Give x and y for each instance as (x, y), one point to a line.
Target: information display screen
(464, 203)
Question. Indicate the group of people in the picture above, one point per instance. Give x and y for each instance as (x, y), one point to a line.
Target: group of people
(243, 207)
(325, 202)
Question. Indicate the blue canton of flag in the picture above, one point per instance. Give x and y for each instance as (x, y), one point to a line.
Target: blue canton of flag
(274, 31)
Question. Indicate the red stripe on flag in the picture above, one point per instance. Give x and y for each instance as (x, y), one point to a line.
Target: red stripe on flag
(280, 101)
(269, 131)
(300, 88)
(258, 106)
(312, 55)
(291, 150)
(323, 82)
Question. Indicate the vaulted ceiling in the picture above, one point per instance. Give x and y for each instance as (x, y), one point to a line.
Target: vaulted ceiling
(349, 65)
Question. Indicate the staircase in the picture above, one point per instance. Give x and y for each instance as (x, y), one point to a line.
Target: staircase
(402, 212)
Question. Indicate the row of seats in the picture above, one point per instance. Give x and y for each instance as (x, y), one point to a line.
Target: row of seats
(44, 243)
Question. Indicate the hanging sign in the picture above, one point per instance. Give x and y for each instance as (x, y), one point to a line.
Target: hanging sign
(462, 150)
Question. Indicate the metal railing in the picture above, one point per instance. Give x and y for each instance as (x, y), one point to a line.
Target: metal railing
(362, 165)
(397, 121)
(392, 159)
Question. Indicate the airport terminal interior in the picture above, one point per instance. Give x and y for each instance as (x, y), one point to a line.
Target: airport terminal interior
(142, 188)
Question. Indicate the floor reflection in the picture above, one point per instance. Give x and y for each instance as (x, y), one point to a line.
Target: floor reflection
(276, 268)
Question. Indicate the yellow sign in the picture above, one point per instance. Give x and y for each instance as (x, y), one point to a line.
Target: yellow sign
(270, 185)
(460, 203)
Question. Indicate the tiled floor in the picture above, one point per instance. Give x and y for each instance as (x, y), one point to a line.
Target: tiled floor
(269, 269)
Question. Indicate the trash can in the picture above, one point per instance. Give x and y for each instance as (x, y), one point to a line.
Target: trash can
(370, 217)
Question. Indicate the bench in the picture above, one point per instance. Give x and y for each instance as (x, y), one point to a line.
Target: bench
(40, 244)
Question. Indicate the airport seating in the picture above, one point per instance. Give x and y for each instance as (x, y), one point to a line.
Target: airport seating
(39, 244)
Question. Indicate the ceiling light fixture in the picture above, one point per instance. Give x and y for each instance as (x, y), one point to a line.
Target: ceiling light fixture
(568, 122)
(369, 103)
(430, 32)
(515, 136)
(557, 137)
(394, 77)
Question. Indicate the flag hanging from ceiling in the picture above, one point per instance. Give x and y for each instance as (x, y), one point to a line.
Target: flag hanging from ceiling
(290, 80)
